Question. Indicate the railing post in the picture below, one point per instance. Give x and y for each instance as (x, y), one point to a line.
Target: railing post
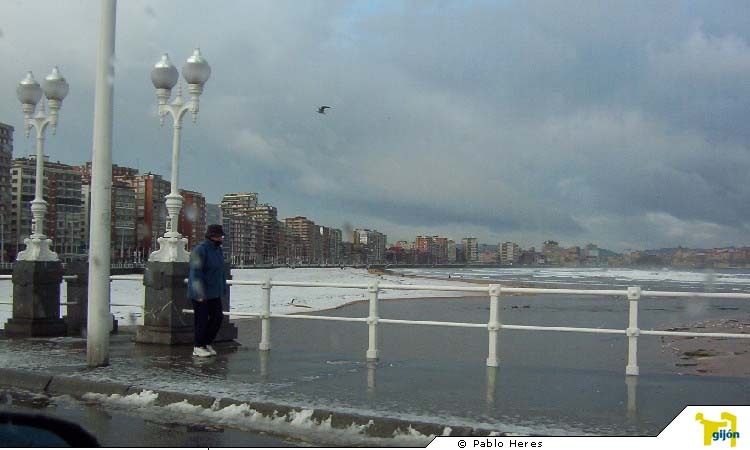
(265, 316)
(493, 326)
(372, 321)
(634, 294)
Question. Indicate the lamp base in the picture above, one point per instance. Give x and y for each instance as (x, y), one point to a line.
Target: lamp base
(171, 249)
(37, 249)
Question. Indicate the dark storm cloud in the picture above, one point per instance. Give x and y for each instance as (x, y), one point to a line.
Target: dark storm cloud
(622, 123)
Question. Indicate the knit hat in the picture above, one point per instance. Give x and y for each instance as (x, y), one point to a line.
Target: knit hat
(214, 230)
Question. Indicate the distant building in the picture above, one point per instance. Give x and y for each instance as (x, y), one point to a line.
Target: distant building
(335, 246)
(530, 257)
(64, 220)
(471, 249)
(440, 249)
(591, 255)
(151, 209)
(213, 214)
(238, 224)
(423, 249)
(304, 239)
(192, 220)
(7, 239)
(451, 245)
(264, 229)
(552, 253)
(123, 212)
(374, 242)
(510, 253)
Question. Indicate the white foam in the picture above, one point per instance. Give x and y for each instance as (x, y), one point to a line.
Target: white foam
(297, 424)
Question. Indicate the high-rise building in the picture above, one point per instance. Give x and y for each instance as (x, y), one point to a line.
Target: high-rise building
(239, 246)
(551, 252)
(304, 239)
(335, 246)
(264, 219)
(451, 245)
(471, 249)
(213, 214)
(64, 220)
(151, 210)
(510, 253)
(440, 249)
(192, 220)
(122, 215)
(374, 242)
(7, 239)
(324, 236)
(283, 243)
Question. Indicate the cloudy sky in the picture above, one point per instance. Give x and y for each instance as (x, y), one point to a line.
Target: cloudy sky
(621, 123)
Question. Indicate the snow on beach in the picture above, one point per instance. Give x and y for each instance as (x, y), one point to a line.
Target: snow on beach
(247, 299)
(288, 300)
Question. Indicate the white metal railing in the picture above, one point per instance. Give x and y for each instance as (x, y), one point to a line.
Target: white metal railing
(493, 325)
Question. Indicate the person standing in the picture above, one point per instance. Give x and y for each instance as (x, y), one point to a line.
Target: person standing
(207, 283)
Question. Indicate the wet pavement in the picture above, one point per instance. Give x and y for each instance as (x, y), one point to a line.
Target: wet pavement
(547, 382)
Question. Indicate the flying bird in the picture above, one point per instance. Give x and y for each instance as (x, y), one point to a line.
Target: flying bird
(322, 109)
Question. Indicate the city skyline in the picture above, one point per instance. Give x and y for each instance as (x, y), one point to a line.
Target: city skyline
(582, 122)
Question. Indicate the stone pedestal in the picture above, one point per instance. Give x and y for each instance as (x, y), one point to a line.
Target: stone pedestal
(166, 297)
(78, 293)
(36, 300)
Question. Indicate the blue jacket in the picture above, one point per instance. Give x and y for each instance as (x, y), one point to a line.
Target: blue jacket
(207, 278)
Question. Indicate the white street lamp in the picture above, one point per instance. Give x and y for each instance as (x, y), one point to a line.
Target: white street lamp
(30, 93)
(164, 76)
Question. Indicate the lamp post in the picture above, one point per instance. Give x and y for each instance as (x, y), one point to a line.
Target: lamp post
(196, 71)
(37, 273)
(30, 93)
(166, 269)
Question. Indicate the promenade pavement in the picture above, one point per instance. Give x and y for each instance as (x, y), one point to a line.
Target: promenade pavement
(429, 381)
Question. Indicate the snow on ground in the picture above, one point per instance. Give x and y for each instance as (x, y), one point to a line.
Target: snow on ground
(247, 299)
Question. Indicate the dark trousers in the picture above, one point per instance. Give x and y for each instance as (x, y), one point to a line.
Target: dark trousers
(208, 317)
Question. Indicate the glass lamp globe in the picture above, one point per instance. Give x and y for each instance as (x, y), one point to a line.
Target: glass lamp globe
(55, 86)
(196, 70)
(164, 75)
(28, 91)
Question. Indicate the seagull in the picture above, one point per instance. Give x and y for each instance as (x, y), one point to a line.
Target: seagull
(322, 109)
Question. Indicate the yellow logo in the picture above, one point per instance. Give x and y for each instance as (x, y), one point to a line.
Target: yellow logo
(720, 430)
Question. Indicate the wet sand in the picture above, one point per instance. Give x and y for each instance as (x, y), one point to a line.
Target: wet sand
(711, 356)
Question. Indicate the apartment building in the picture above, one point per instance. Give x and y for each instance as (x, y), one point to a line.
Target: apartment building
(64, 221)
(151, 210)
(451, 249)
(335, 246)
(192, 220)
(305, 239)
(239, 245)
(284, 240)
(264, 219)
(7, 239)
(552, 252)
(440, 249)
(471, 249)
(510, 253)
(123, 215)
(213, 214)
(374, 242)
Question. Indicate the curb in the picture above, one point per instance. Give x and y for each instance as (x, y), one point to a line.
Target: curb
(381, 427)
